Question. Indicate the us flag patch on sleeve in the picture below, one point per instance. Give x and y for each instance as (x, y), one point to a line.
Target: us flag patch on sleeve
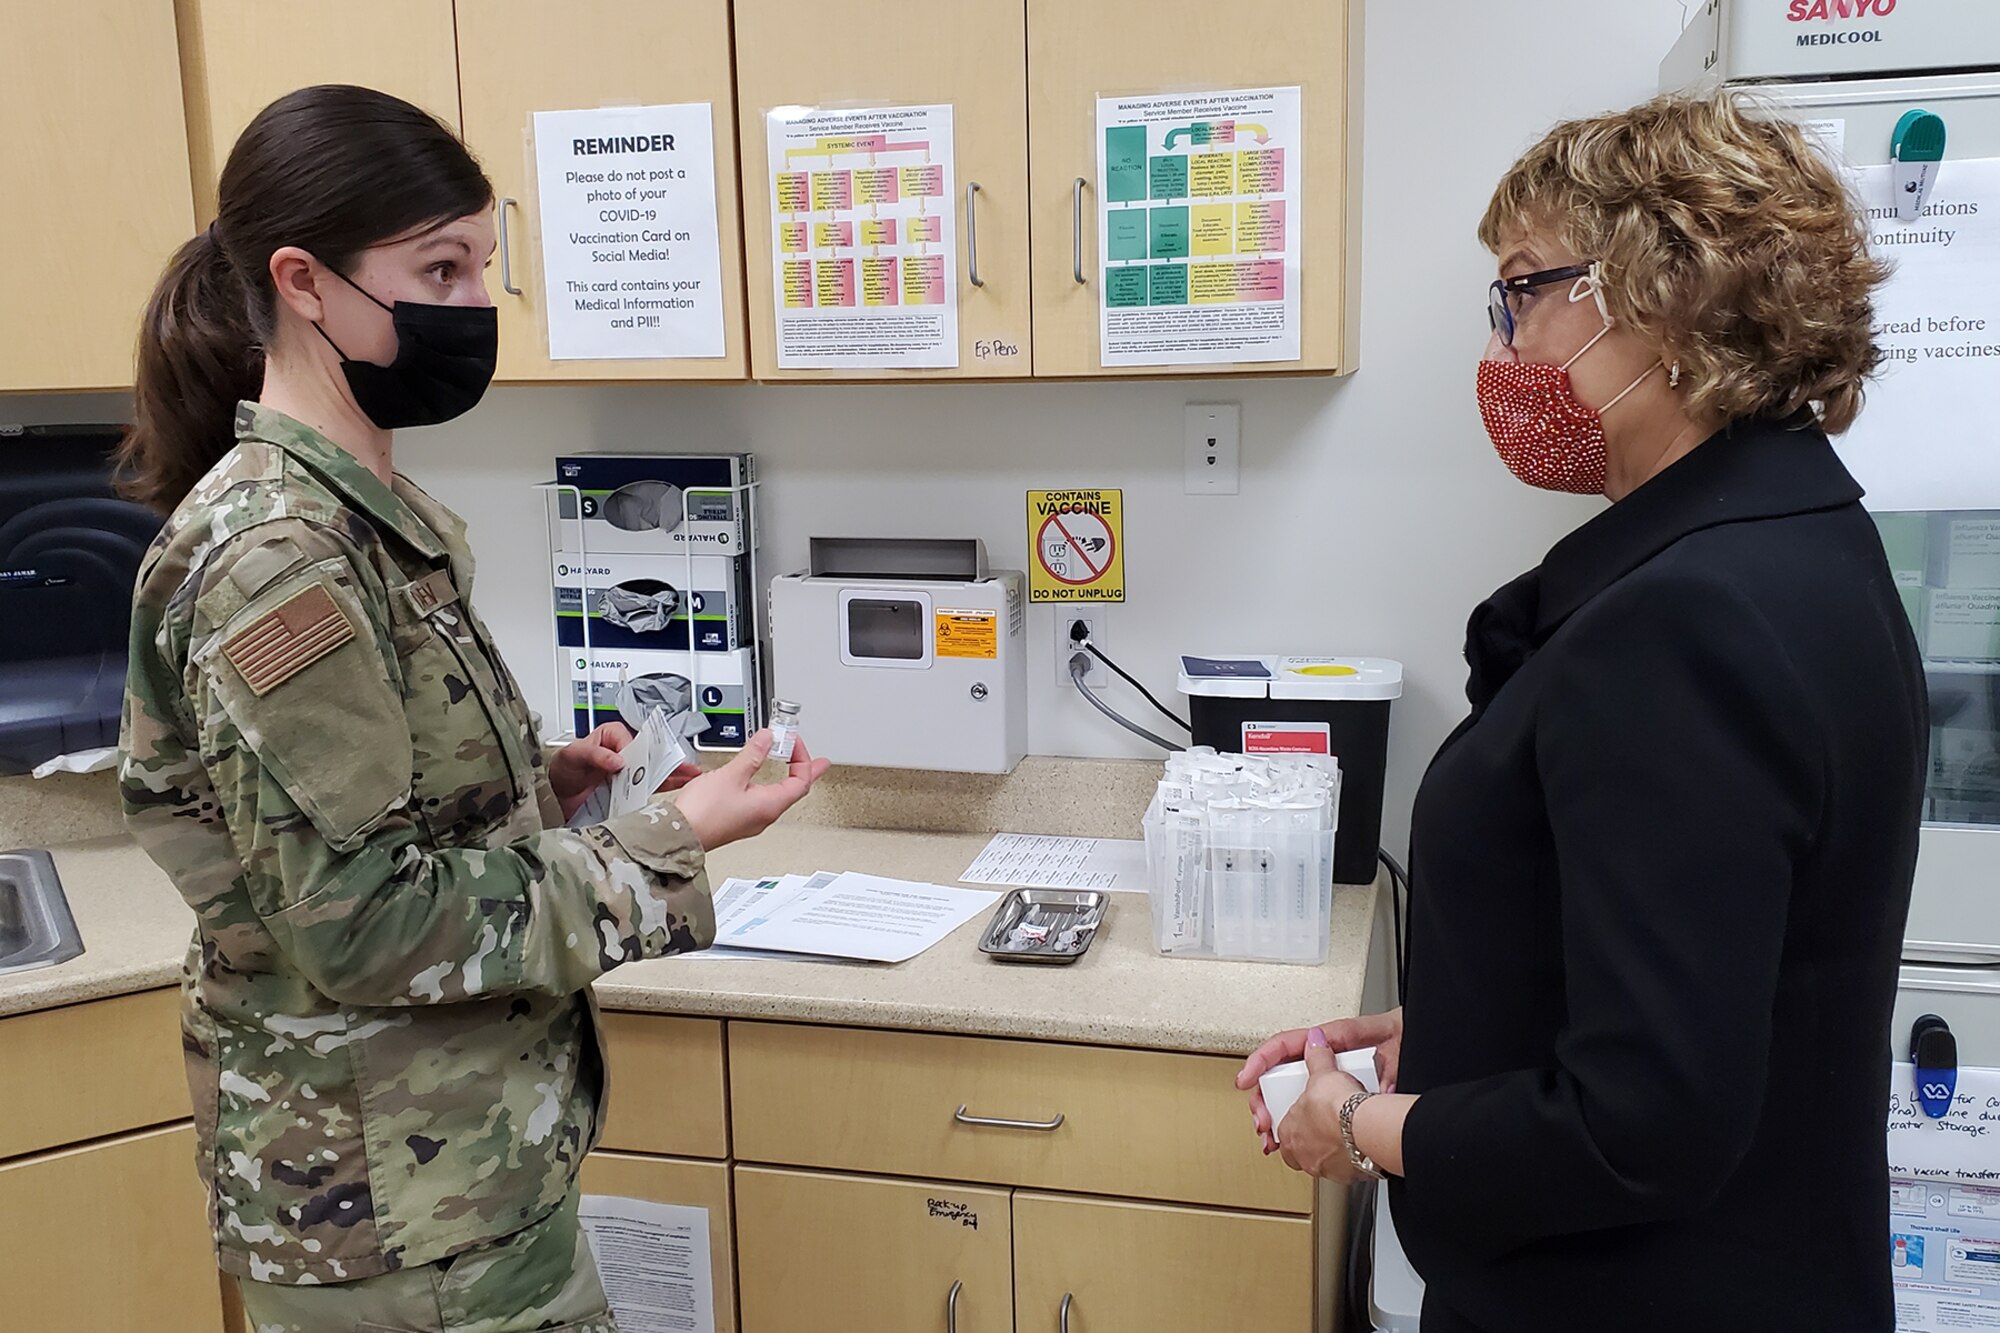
(289, 638)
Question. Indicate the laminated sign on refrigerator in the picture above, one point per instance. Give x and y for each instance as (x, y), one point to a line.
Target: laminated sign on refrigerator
(1944, 1202)
(1926, 438)
(864, 238)
(1198, 227)
(631, 257)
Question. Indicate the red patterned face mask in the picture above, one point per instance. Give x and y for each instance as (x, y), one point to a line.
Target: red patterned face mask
(1545, 435)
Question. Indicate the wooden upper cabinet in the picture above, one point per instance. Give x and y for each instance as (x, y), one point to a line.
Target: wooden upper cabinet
(848, 53)
(517, 57)
(239, 56)
(1078, 52)
(96, 196)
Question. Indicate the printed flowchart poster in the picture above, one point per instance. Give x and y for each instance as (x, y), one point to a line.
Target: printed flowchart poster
(631, 254)
(864, 238)
(1198, 227)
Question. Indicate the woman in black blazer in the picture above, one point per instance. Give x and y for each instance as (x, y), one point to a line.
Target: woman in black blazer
(1659, 874)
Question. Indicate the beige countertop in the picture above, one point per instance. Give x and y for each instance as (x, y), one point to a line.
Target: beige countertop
(134, 923)
(135, 931)
(1121, 993)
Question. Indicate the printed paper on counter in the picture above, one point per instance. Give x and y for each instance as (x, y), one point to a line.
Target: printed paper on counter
(1035, 861)
(654, 1259)
(863, 917)
(1198, 227)
(1926, 436)
(631, 253)
(864, 237)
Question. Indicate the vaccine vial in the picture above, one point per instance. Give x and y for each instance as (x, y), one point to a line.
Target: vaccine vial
(784, 728)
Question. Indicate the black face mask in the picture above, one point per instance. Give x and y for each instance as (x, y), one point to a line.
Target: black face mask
(445, 356)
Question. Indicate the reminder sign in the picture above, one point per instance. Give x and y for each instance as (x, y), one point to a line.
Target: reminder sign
(1078, 542)
(631, 260)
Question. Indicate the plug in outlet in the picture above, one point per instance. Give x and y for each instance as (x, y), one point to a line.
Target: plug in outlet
(1066, 647)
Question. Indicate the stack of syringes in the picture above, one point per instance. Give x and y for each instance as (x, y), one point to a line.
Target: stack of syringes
(1239, 856)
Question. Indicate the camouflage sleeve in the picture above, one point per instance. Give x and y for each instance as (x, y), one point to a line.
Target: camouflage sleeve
(307, 741)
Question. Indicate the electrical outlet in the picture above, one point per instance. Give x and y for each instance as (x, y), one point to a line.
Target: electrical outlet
(1096, 677)
(1214, 448)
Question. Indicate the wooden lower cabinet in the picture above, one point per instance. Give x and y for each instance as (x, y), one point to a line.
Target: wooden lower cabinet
(692, 1184)
(856, 1254)
(1143, 1268)
(667, 1089)
(111, 1235)
(88, 1071)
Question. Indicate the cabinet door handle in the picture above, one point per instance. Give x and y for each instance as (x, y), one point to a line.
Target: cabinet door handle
(1076, 228)
(1041, 1126)
(972, 236)
(951, 1308)
(1068, 1298)
(506, 256)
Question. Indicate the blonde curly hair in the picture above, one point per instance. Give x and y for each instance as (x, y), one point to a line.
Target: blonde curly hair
(1726, 240)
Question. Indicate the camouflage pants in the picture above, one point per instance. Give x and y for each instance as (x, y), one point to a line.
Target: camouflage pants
(541, 1278)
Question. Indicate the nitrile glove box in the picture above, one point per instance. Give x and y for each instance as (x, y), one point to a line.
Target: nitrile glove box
(724, 687)
(647, 503)
(643, 602)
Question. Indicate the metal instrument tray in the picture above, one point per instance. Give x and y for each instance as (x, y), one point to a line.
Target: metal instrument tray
(1044, 925)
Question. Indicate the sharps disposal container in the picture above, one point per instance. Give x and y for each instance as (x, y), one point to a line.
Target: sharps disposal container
(1335, 706)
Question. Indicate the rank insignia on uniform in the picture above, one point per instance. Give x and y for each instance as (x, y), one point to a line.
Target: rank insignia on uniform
(289, 638)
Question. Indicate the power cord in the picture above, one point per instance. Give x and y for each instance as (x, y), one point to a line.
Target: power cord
(1079, 665)
(1080, 637)
(1399, 893)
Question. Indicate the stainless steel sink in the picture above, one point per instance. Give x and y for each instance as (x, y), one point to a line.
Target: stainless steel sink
(36, 929)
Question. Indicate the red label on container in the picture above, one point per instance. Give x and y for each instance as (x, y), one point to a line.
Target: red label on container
(1287, 738)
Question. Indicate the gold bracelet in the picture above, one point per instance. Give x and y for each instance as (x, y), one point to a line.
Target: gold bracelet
(1361, 1161)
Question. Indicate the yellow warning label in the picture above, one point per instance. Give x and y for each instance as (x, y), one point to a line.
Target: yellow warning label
(968, 633)
(1078, 543)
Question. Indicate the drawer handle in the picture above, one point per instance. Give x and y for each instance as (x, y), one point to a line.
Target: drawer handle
(1068, 1298)
(951, 1308)
(972, 236)
(506, 253)
(1076, 229)
(1040, 1126)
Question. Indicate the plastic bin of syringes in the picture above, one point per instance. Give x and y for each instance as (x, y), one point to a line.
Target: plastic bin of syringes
(1232, 879)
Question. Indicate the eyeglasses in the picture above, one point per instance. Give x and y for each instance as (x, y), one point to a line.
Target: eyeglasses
(1503, 298)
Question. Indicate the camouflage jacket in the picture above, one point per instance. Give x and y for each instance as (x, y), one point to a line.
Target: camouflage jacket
(387, 1023)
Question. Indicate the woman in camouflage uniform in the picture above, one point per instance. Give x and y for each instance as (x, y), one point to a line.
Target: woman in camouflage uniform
(390, 1039)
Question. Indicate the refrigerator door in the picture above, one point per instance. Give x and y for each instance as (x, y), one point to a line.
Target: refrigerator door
(1947, 561)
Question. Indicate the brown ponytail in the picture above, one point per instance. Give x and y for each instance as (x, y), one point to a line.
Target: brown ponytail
(197, 356)
(334, 170)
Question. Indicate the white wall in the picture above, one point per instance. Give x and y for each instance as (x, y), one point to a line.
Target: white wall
(1373, 513)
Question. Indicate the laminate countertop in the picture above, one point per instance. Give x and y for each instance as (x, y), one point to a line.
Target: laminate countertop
(136, 930)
